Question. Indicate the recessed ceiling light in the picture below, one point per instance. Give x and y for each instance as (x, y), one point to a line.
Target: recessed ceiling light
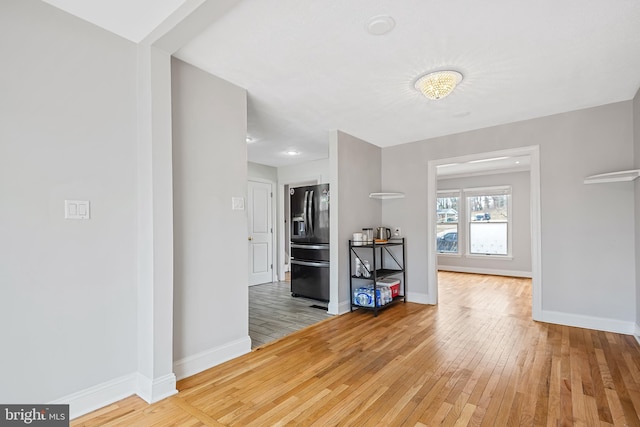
(381, 24)
(292, 153)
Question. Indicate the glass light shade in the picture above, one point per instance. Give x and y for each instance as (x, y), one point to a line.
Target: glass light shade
(438, 84)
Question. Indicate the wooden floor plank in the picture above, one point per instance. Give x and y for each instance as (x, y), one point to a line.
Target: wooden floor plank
(475, 359)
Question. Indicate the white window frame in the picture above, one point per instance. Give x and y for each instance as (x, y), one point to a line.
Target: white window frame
(461, 214)
(487, 191)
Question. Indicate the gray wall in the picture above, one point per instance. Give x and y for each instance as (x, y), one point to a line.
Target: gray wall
(316, 170)
(356, 174)
(258, 171)
(520, 262)
(67, 287)
(587, 252)
(210, 167)
(636, 140)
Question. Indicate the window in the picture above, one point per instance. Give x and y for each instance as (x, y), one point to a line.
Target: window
(489, 220)
(447, 224)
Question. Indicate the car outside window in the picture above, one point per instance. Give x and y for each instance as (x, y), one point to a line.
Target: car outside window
(447, 224)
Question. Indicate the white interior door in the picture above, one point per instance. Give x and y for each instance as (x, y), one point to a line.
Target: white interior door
(260, 233)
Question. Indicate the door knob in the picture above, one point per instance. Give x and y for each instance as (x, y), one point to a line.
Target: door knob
(250, 238)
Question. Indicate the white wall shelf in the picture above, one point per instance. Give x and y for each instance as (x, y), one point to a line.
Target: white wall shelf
(620, 176)
(386, 195)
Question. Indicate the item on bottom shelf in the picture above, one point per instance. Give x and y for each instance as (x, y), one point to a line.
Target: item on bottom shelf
(392, 284)
(363, 296)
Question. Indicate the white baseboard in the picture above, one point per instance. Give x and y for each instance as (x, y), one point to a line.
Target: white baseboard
(589, 322)
(98, 396)
(204, 360)
(419, 298)
(637, 333)
(491, 271)
(157, 389)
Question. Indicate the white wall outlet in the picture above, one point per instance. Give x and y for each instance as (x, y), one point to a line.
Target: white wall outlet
(77, 209)
(397, 232)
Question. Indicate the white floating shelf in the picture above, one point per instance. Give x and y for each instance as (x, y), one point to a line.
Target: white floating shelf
(386, 195)
(620, 176)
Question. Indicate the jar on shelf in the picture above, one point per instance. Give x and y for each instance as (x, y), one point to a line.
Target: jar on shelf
(367, 235)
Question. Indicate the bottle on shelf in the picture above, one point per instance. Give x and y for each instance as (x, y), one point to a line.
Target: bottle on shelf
(366, 271)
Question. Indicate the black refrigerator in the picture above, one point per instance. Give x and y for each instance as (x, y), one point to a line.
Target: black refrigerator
(310, 241)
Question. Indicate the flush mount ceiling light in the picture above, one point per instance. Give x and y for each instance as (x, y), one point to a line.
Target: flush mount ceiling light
(438, 84)
(292, 153)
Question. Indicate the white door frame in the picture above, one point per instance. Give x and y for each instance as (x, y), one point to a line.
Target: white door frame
(536, 255)
(273, 224)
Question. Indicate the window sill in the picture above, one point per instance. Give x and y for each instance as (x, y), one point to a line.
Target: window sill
(449, 255)
(496, 257)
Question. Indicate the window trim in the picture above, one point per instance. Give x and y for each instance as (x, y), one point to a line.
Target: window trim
(498, 190)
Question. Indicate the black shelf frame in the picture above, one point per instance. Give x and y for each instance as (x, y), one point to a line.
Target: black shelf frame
(378, 273)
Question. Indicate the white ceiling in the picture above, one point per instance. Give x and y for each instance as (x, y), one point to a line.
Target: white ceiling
(311, 67)
(131, 19)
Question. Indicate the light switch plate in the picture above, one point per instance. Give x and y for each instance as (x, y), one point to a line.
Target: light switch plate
(237, 203)
(77, 209)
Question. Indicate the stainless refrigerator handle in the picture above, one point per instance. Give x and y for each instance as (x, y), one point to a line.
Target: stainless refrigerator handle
(310, 264)
(299, 246)
(311, 213)
(305, 213)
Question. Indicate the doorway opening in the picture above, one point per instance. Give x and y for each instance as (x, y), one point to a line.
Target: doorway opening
(473, 167)
(273, 312)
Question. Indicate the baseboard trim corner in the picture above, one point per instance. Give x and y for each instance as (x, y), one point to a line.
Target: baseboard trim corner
(418, 298)
(152, 391)
(340, 308)
(204, 360)
(637, 333)
(99, 396)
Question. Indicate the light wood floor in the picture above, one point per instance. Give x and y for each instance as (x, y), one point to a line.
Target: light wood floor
(475, 359)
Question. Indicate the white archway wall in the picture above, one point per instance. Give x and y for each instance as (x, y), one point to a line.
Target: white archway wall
(581, 284)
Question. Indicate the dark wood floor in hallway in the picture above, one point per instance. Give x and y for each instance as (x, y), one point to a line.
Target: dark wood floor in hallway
(475, 359)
